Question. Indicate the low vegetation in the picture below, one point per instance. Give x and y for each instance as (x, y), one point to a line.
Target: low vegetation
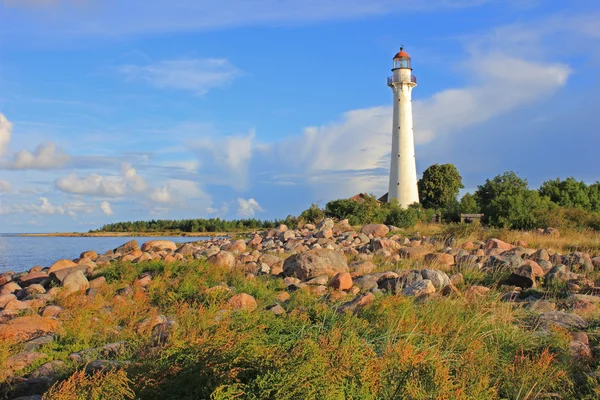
(168, 329)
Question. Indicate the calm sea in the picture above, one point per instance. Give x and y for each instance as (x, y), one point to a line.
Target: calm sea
(20, 253)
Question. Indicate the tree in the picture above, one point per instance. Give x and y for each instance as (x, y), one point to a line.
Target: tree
(468, 204)
(507, 202)
(439, 186)
(567, 193)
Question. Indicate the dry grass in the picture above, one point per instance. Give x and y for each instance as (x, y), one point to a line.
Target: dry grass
(113, 385)
(398, 347)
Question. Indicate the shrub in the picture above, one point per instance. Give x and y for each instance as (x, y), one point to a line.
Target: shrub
(402, 218)
(313, 214)
(357, 212)
(112, 384)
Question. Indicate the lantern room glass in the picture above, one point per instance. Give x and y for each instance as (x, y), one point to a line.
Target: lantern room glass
(402, 62)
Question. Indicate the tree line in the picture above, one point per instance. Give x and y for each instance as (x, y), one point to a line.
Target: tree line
(197, 225)
(506, 201)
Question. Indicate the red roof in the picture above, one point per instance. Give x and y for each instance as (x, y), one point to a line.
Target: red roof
(401, 54)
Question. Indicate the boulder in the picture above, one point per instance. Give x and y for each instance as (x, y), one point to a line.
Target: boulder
(497, 244)
(419, 288)
(187, 250)
(441, 260)
(52, 311)
(341, 281)
(33, 277)
(475, 292)
(98, 282)
(324, 234)
(9, 287)
(22, 329)
(61, 264)
(102, 365)
(59, 276)
(6, 298)
(315, 262)
(523, 277)
(438, 278)
(559, 274)
(159, 244)
(222, 259)
(457, 279)
(128, 247)
(276, 309)
(32, 388)
(16, 306)
(562, 319)
(357, 303)
(327, 223)
(236, 245)
(91, 254)
(361, 267)
(377, 230)
(366, 282)
(412, 253)
(386, 244)
(242, 301)
(4, 278)
(22, 360)
(75, 282)
(52, 369)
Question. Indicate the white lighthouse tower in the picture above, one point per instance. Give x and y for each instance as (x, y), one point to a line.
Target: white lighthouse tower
(403, 169)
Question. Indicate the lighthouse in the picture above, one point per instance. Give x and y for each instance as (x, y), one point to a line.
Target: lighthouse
(403, 168)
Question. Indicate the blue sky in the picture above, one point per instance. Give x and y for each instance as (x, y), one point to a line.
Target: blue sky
(110, 110)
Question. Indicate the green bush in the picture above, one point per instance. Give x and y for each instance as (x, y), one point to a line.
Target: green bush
(402, 218)
(313, 214)
(507, 202)
(365, 211)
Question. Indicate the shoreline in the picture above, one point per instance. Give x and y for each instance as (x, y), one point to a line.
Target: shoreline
(129, 234)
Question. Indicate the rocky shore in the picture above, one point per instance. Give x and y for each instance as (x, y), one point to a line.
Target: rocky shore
(345, 268)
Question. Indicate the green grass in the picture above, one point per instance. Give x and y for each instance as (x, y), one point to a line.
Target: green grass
(442, 348)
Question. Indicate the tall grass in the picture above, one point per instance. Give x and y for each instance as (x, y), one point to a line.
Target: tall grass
(441, 348)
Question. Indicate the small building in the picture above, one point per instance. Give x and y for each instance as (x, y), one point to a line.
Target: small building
(470, 218)
(362, 197)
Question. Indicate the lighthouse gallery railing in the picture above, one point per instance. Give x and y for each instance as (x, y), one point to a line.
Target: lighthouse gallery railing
(396, 79)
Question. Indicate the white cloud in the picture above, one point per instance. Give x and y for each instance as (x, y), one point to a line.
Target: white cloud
(227, 159)
(94, 184)
(503, 83)
(106, 208)
(177, 191)
(5, 134)
(78, 206)
(104, 186)
(5, 186)
(247, 208)
(131, 177)
(163, 195)
(195, 75)
(45, 156)
(45, 207)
